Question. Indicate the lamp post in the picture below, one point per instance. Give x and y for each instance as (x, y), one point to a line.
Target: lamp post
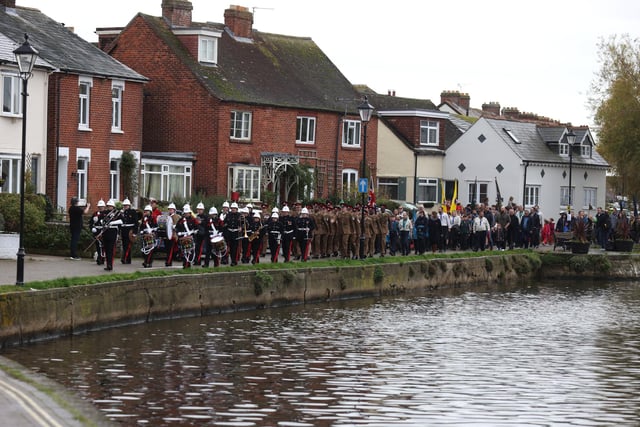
(26, 57)
(571, 139)
(365, 110)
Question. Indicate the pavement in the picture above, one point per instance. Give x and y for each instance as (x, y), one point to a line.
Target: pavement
(47, 267)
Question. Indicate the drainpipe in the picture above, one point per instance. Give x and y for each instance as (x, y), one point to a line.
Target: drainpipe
(415, 177)
(524, 184)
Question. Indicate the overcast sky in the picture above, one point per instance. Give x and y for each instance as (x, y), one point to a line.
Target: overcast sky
(540, 57)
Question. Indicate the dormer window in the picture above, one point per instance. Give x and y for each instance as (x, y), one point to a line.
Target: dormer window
(563, 149)
(585, 150)
(208, 50)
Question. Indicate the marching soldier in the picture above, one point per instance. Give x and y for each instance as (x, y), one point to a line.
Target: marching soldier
(110, 230)
(95, 224)
(244, 239)
(255, 233)
(320, 234)
(201, 237)
(304, 233)
(232, 227)
(274, 234)
(148, 227)
(288, 233)
(170, 244)
(214, 229)
(186, 228)
(345, 229)
(127, 230)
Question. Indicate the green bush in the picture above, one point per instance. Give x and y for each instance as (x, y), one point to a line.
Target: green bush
(34, 212)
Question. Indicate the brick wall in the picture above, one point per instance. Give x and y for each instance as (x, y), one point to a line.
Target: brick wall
(182, 116)
(63, 131)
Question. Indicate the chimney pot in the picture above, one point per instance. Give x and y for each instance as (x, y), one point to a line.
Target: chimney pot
(239, 20)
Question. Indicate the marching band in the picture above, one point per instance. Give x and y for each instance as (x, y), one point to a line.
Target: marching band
(233, 235)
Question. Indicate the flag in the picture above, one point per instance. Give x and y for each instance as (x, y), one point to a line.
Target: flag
(372, 198)
(455, 193)
(443, 196)
(499, 198)
(475, 192)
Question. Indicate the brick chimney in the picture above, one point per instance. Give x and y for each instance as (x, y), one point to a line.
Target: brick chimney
(8, 3)
(239, 20)
(461, 99)
(176, 12)
(491, 108)
(511, 112)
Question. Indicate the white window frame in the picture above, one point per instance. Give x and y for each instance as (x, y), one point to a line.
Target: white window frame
(117, 89)
(351, 133)
(563, 149)
(590, 195)
(245, 180)
(114, 179)
(585, 150)
(84, 110)
(10, 172)
(475, 189)
(305, 130)
(240, 127)
(532, 195)
(11, 88)
(208, 49)
(426, 183)
(349, 181)
(166, 170)
(564, 195)
(82, 175)
(429, 132)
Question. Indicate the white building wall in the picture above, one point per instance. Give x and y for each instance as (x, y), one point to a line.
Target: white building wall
(36, 135)
(481, 159)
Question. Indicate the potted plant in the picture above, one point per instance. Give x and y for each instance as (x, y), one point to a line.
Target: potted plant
(580, 243)
(622, 236)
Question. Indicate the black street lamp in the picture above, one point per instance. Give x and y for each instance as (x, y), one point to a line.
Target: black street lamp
(366, 110)
(26, 57)
(571, 140)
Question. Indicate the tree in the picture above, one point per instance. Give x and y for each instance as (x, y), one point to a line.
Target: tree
(615, 101)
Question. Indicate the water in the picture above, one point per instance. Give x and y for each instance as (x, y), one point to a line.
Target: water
(563, 354)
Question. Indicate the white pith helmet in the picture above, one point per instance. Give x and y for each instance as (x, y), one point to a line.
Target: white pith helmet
(234, 205)
(172, 205)
(213, 211)
(186, 209)
(200, 206)
(225, 204)
(126, 202)
(285, 209)
(101, 204)
(148, 208)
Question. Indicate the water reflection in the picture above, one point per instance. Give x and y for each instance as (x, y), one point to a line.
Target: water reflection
(537, 355)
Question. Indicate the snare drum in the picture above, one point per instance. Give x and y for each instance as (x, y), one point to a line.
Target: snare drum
(186, 243)
(219, 246)
(148, 243)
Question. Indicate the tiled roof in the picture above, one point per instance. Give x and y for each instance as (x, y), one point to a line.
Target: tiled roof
(533, 147)
(388, 102)
(273, 70)
(59, 46)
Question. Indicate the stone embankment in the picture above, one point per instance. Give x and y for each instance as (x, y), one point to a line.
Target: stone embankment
(27, 316)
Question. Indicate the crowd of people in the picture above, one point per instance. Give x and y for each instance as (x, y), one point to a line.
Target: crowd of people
(244, 234)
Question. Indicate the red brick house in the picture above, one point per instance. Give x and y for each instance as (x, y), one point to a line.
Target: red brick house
(94, 109)
(231, 109)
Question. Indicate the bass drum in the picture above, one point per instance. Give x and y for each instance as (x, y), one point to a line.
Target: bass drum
(219, 246)
(165, 226)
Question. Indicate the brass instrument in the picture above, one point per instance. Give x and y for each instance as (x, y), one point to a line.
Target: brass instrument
(256, 234)
(244, 225)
